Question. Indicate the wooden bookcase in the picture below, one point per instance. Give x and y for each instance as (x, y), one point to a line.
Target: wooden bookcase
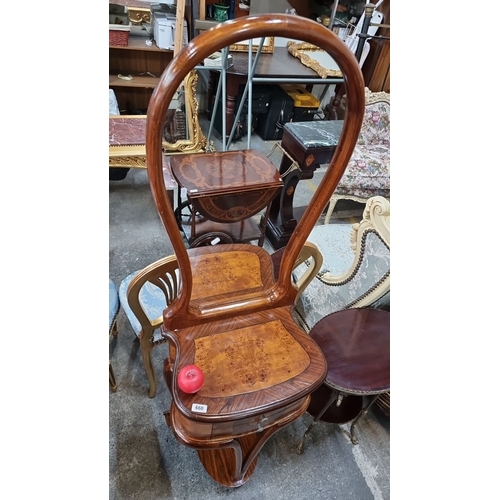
(141, 62)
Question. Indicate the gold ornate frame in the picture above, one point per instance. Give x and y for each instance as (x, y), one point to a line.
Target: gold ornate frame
(134, 156)
(197, 141)
(267, 47)
(139, 15)
(303, 52)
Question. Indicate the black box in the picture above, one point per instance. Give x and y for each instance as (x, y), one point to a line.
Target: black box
(261, 98)
(304, 114)
(270, 125)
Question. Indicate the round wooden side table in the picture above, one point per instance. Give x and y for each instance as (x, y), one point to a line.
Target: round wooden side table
(356, 345)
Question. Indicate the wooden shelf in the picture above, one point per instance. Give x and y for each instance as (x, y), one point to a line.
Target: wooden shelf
(144, 82)
(139, 43)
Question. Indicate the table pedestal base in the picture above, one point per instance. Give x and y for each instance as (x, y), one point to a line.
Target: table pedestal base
(231, 460)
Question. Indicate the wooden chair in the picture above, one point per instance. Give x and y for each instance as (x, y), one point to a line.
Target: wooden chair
(144, 296)
(232, 317)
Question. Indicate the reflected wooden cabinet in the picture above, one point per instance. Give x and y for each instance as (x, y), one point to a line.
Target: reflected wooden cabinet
(238, 11)
(376, 68)
(144, 63)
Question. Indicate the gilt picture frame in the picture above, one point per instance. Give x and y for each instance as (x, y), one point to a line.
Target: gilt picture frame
(267, 47)
(315, 58)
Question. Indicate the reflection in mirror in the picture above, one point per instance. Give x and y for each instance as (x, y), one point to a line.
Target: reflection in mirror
(315, 58)
(182, 131)
(267, 46)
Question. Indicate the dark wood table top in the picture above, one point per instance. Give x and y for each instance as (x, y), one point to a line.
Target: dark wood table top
(280, 64)
(356, 344)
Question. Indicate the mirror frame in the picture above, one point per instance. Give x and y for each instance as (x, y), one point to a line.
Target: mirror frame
(197, 141)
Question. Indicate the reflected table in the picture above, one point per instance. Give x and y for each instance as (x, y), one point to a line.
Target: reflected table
(277, 67)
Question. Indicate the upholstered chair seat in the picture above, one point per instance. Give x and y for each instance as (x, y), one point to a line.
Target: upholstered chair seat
(356, 265)
(368, 171)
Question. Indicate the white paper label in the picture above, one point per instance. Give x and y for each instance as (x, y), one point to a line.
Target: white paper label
(199, 408)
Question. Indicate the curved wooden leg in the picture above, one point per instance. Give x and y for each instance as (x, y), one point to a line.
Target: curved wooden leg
(225, 464)
(146, 349)
(232, 464)
(229, 462)
(333, 397)
(112, 381)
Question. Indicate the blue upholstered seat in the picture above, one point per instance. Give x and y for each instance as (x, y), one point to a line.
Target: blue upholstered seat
(356, 265)
(152, 300)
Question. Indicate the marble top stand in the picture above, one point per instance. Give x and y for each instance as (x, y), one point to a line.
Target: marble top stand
(310, 144)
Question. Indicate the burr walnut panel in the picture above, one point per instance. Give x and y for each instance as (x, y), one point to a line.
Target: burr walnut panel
(258, 357)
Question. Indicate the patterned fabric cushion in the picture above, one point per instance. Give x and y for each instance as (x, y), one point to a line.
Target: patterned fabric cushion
(376, 125)
(319, 298)
(334, 243)
(368, 170)
(114, 303)
(152, 301)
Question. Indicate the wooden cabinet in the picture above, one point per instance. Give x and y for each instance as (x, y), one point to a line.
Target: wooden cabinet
(144, 64)
(376, 68)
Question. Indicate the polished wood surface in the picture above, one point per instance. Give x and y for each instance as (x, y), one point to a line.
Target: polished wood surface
(356, 343)
(243, 353)
(230, 292)
(283, 382)
(227, 189)
(227, 186)
(279, 64)
(202, 46)
(224, 172)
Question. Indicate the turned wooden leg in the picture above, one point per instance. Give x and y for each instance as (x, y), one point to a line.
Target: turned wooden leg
(148, 366)
(112, 381)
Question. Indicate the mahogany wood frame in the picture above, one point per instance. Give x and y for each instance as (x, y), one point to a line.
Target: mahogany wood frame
(282, 292)
(255, 306)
